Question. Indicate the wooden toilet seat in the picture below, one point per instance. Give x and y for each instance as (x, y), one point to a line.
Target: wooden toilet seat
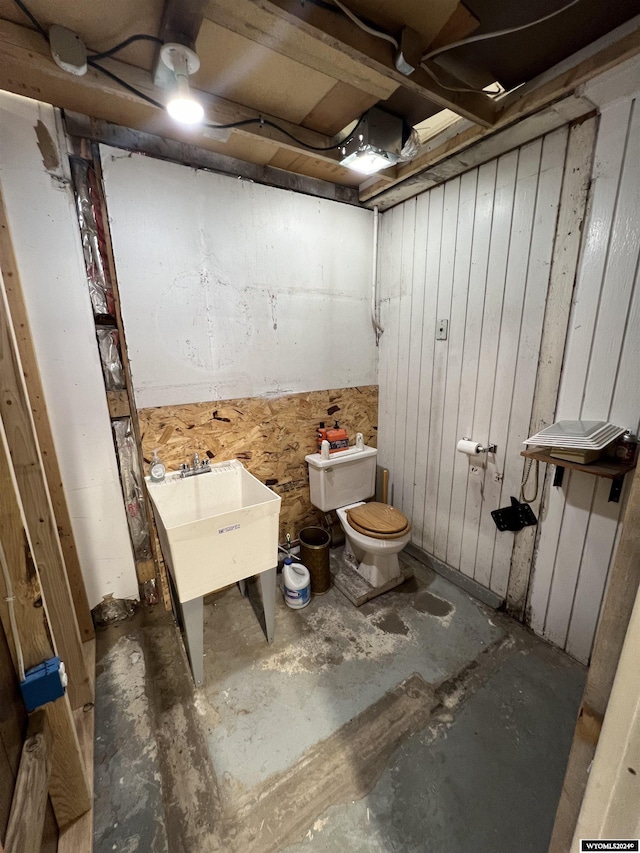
(380, 521)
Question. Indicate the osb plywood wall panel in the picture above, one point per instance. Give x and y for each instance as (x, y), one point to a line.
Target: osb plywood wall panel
(270, 436)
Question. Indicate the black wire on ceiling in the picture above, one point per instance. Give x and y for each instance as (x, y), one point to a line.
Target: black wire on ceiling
(262, 122)
(32, 18)
(333, 147)
(265, 122)
(92, 62)
(126, 43)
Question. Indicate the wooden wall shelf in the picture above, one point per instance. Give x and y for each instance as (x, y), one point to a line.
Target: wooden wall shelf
(607, 468)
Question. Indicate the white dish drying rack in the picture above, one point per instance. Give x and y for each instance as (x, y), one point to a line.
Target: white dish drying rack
(577, 435)
(580, 435)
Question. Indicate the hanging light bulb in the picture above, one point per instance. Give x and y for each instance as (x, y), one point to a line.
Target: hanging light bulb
(182, 106)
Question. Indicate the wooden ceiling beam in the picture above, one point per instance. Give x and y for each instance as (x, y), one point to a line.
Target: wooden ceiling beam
(334, 45)
(182, 19)
(200, 158)
(26, 68)
(261, 23)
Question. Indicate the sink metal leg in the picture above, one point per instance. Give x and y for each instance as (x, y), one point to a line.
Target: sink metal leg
(242, 586)
(192, 618)
(268, 590)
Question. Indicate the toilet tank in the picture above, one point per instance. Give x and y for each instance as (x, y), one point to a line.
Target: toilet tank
(346, 477)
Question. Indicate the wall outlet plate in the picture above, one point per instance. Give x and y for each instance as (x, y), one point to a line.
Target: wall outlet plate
(442, 330)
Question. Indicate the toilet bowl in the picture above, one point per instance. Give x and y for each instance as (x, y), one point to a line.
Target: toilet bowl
(377, 558)
(376, 533)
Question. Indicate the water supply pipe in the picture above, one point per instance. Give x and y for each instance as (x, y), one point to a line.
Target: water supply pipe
(374, 279)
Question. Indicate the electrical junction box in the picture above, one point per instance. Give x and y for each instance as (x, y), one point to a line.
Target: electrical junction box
(409, 53)
(44, 683)
(380, 130)
(68, 50)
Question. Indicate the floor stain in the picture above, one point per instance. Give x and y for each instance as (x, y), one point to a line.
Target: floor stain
(409, 586)
(391, 623)
(329, 640)
(427, 602)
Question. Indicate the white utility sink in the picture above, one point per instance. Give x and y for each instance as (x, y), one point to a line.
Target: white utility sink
(216, 528)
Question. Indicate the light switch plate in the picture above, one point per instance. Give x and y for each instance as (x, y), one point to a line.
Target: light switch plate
(442, 330)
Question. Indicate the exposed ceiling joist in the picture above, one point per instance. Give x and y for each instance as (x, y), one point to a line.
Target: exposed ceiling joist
(26, 68)
(192, 155)
(518, 106)
(182, 19)
(264, 25)
(333, 44)
(313, 65)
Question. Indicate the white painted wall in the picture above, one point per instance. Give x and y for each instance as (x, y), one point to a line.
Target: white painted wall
(232, 289)
(476, 251)
(600, 381)
(45, 234)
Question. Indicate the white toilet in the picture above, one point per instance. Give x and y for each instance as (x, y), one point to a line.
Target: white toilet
(375, 533)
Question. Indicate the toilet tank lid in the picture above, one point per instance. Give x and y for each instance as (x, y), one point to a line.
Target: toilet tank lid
(316, 461)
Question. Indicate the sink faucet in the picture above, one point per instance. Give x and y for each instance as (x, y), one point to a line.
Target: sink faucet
(196, 467)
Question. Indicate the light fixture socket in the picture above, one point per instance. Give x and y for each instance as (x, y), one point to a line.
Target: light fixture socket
(183, 61)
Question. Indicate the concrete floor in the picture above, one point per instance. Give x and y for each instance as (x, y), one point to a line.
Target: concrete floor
(421, 721)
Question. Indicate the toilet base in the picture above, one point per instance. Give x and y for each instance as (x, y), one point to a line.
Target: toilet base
(377, 569)
(358, 590)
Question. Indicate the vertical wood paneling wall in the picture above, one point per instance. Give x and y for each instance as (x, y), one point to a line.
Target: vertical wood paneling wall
(475, 251)
(600, 381)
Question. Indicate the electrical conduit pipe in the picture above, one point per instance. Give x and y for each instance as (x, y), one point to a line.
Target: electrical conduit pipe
(374, 279)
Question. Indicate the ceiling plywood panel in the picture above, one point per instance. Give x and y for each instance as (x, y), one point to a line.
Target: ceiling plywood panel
(100, 26)
(410, 106)
(460, 25)
(338, 108)
(304, 165)
(245, 148)
(425, 18)
(236, 68)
